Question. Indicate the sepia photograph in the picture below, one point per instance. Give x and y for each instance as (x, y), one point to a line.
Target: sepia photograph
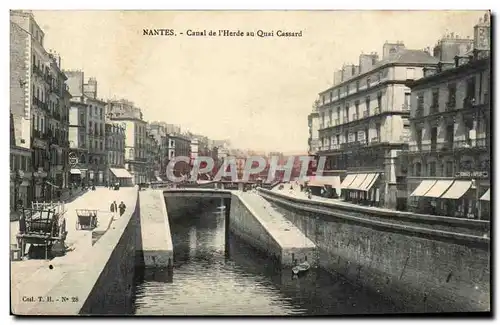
(250, 163)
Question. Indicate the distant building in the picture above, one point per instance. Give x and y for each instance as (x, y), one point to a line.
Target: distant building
(179, 146)
(449, 156)
(115, 148)
(125, 111)
(87, 134)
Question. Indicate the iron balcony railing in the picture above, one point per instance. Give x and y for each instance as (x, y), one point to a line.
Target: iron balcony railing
(451, 105)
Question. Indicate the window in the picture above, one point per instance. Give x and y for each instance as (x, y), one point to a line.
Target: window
(420, 102)
(347, 89)
(406, 105)
(368, 82)
(452, 93)
(357, 85)
(410, 73)
(356, 107)
(367, 103)
(331, 96)
(450, 130)
(471, 88)
(379, 101)
(418, 169)
(378, 131)
(449, 169)
(433, 138)
(435, 98)
(432, 169)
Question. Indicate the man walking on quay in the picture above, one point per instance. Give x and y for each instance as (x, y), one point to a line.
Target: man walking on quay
(122, 208)
(113, 208)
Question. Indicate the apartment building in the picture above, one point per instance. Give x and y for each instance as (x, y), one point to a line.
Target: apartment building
(449, 155)
(122, 110)
(115, 148)
(364, 123)
(39, 107)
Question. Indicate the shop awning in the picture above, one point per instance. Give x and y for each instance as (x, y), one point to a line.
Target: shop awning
(438, 189)
(347, 180)
(423, 187)
(75, 171)
(486, 196)
(368, 182)
(120, 173)
(333, 181)
(355, 185)
(457, 190)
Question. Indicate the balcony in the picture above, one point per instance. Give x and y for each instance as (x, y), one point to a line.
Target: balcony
(434, 109)
(353, 144)
(481, 143)
(469, 102)
(419, 112)
(451, 105)
(423, 147)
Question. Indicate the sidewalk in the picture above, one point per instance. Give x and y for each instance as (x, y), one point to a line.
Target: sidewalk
(65, 198)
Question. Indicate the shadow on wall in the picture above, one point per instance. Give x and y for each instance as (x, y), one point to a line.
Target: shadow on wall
(112, 293)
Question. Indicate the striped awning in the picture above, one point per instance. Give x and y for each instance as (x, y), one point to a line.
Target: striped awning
(486, 196)
(121, 173)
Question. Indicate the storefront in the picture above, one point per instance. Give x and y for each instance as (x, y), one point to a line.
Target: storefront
(459, 197)
(121, 176)
(365, 188)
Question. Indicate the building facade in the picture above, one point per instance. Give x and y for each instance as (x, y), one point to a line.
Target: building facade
(179, 146)
(115, 149)
(364, 123)
(87, 135)
(125, 111)
(39, 108)
(449, 157)
(158, 131)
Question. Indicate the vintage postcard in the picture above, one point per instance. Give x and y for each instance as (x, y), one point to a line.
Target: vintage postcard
(249, 163)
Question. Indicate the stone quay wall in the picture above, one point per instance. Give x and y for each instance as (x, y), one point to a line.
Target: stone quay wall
(420, 267)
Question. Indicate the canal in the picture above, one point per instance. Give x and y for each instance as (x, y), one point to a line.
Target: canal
(215, 274)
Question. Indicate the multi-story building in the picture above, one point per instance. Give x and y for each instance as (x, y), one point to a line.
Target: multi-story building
(115, 148)
(179, 146)
(38, 106)
(158, 130)
(87, 135)
(363, 123)
(125, 111)
(20, 170)
(313, 123)
(152, 157)
(449, 155)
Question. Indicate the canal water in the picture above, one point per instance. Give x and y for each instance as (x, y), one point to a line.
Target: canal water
(215, 276)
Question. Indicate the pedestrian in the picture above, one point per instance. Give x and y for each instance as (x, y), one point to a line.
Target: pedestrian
(122, 208)
(113, 208)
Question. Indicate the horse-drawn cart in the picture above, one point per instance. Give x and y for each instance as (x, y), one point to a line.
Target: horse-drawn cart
(86, 219)
(42, 226)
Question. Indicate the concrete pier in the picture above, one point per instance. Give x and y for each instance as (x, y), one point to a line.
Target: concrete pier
(253, 219)
(157, 248)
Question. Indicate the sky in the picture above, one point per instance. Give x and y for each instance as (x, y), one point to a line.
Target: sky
(255, 91)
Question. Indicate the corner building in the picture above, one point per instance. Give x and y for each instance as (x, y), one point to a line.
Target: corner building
(450, 147)
(364, 123)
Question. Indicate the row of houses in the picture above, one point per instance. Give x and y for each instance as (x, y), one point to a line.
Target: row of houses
(64, 135)
(410, 130)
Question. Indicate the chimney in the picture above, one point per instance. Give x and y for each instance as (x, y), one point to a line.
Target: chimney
(367, 61)
(391, 49)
